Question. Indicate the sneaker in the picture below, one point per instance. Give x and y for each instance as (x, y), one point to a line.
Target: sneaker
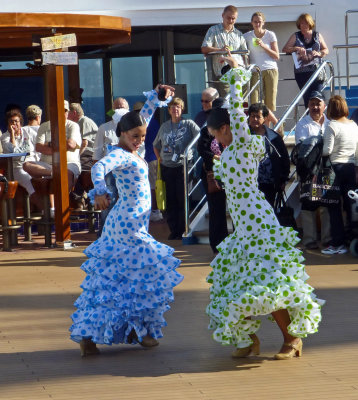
(155, 216)
(334, 250)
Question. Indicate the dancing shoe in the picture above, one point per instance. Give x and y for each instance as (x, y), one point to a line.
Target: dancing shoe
(88, 348)
(254, 349)
(148, 341)
(296, 350)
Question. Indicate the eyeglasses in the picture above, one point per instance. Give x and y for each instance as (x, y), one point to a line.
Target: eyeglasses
(205, 101)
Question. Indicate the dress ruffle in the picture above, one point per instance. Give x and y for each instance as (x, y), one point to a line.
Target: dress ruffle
(119, 296)
(247, 282)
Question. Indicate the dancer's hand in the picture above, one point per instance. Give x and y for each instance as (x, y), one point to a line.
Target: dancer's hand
(165, 89)
(101, 202)
(231, 60)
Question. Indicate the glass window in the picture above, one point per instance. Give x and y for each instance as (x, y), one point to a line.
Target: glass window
(131, 77)
(190, 70)
(14, 64)
(91, 81)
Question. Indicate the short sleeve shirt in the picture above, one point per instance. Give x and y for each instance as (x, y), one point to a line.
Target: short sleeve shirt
(258, 55)
(217, 36)
(72, 132)
(172, 139)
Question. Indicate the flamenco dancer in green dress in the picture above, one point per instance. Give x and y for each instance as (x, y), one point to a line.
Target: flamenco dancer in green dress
(258, 270)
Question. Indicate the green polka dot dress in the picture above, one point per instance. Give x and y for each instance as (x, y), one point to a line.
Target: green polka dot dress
(257, 270)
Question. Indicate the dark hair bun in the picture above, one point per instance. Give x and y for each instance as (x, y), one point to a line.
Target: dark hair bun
(129, 121)
(218, 117)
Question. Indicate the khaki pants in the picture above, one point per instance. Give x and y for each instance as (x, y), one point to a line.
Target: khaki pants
(309, 226)
(269, 86)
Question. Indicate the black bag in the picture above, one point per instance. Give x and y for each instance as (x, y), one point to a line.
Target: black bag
(284, 213)
(306, 156)
(322, 188)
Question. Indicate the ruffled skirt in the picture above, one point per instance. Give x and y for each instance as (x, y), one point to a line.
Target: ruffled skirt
(257, 275)
(126, 288)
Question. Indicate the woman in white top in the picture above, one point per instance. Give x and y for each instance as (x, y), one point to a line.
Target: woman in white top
(262, 44)
(340, 143)
(18, 139)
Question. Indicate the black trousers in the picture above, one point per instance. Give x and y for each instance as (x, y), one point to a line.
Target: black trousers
(346, 179)
(302, 78)
(174, 185)
(270, 191)
(217, 218)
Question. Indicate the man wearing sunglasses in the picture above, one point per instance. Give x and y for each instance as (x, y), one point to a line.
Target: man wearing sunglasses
(207, 97)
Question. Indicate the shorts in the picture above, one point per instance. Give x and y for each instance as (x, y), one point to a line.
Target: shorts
(73, 167)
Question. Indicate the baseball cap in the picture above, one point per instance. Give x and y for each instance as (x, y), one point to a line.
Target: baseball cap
(67, 106)
(317, 95)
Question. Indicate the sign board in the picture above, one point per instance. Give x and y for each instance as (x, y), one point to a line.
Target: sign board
(58, 42)
(63, 58)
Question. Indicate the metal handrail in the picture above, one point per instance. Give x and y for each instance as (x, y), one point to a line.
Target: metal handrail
(300, 94)
(347, 47)
(186, 181)
(347, 40)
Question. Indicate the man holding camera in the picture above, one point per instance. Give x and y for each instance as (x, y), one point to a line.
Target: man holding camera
(223, 37)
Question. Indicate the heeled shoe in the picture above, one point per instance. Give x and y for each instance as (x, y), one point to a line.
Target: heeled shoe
(254, 349)
(148, 341)
(296, 350)
(88, 348)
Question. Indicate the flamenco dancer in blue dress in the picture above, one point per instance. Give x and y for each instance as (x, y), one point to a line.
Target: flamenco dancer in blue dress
(130, 276)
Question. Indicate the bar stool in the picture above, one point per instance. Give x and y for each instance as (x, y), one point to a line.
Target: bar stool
(90, 213)
(8, 224)
(44, 187)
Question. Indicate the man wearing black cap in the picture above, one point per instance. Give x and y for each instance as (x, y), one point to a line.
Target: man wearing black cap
(313, 124)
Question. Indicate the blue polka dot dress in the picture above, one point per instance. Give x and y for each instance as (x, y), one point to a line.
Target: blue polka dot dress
(258, 269)
(130, 276)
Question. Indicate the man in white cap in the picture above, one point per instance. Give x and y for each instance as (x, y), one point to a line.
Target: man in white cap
(313, 124)
(43, 167)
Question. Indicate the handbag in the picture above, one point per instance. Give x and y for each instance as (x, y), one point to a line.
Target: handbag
(160, 192)
(322, 188)
(284, 213)
(213, 184)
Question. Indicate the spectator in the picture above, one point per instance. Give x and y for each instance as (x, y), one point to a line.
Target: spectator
(43, 168)
(262, 44)
(106, 134)
(21, 140)
(340, 143)
(207, 97)
(88, 129)
(33, 115)
(309, 47)
(313, 124)
(209, 149)
(274, 169)
(169, 146)
(223, 37)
